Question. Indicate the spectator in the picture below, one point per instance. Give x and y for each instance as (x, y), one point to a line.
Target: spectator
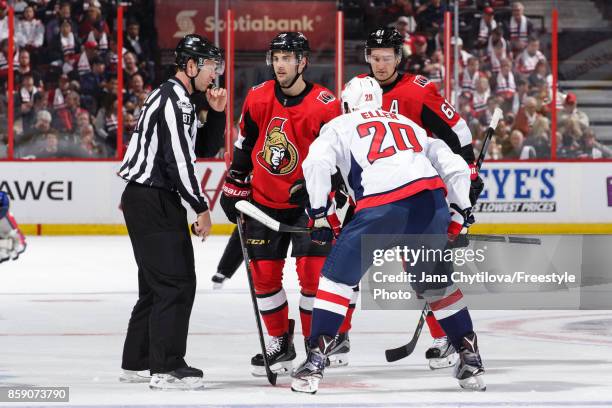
(92, 82)
(106, 125)
(416, 62)
(519, 149)
(470, 77)
(58, 96)
(485, 27)
(570, 111)
(540, 76)
(528, 59)
(135, 44)
(94, 23)
(29, 32)
(464, 56)
(569, 148)
(39, 103)
(430, 16)
(91, 51)
(87, 146)
(481, 96)
(64, 47)
(53, 27)
(24, 101)
(50, 146)
(522, 92)
(26, 141)
(496, 51)
(539, 137)
(24, 67)
(130, 67)
(520, 28)
(505, 86)
(527, 115)
(65, 119)
(434, 69)
(4, 32)
(588, 148)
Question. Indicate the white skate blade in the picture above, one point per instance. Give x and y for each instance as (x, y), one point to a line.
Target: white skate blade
(130, 376)
(475, 383)
(338, 360)
(307, 385)
(281, 369)
(446, 362)
(217, 285)
(162, 382)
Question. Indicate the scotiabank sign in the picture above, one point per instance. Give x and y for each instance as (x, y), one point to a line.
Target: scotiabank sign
(255, 22)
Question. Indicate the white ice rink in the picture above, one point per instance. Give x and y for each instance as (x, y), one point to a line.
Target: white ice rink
(65, 306)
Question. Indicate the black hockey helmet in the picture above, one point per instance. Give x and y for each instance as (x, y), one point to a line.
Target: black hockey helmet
(199, 49)
(385, 37)
(289, 41)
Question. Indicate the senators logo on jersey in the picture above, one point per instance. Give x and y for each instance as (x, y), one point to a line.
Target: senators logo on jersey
(279, 156)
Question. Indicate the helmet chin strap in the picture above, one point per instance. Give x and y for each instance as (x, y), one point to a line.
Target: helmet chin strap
(192, 79)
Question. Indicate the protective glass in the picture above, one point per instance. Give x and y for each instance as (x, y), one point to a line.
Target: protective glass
(216, 65)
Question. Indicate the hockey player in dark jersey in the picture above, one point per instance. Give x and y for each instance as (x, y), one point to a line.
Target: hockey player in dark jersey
(415, 97)
(280, 119)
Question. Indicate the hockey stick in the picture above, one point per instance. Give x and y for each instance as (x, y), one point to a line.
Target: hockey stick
(271, 376)
(407, 349)
(249, 209)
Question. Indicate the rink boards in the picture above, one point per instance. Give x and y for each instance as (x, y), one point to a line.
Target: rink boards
(83, 197)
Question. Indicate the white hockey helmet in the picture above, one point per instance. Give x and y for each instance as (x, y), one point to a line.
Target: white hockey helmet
(360, 94)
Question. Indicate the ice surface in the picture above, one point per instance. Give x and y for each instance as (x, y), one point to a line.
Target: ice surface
(65, 306)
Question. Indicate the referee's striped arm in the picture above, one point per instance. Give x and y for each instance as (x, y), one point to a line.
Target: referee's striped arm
(161, 151)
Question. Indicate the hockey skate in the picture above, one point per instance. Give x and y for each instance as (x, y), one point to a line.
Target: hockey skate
(338, 355)
(470, 371)
(218, 280)
(133, 376)
(441, 354)
(184, 378)
(280, 352)
(307, 376)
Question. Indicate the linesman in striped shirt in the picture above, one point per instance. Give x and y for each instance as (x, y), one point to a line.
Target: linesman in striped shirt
(159, 167)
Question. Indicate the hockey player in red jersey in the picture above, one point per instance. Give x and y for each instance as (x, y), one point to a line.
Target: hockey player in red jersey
(280, 119)
(415, 97)
(12, 241)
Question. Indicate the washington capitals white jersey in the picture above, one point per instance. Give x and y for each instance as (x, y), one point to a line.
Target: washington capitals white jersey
(384, 157)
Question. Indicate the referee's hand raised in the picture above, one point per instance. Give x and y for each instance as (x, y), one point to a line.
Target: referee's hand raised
(203, 225)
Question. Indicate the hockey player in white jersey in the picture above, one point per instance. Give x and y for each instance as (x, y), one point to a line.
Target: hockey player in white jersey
(399, 178)
(12, 241)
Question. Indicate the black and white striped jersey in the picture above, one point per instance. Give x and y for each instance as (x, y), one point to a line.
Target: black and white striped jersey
(161, 152)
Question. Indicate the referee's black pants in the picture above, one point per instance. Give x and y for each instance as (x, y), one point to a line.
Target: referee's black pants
(157, 332)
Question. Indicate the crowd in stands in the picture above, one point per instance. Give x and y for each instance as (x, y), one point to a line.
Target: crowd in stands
(65, 77)
(66, 57)
(501, 65)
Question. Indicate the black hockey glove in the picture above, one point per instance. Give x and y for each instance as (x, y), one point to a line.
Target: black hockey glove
(235, 188)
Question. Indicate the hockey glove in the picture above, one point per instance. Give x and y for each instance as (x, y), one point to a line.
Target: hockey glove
(457, 223)
(235, 188)
(476, 186)
(325, 222)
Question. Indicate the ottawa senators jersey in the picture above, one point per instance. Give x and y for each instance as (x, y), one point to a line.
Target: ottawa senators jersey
(276, 131)
(417, 98)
